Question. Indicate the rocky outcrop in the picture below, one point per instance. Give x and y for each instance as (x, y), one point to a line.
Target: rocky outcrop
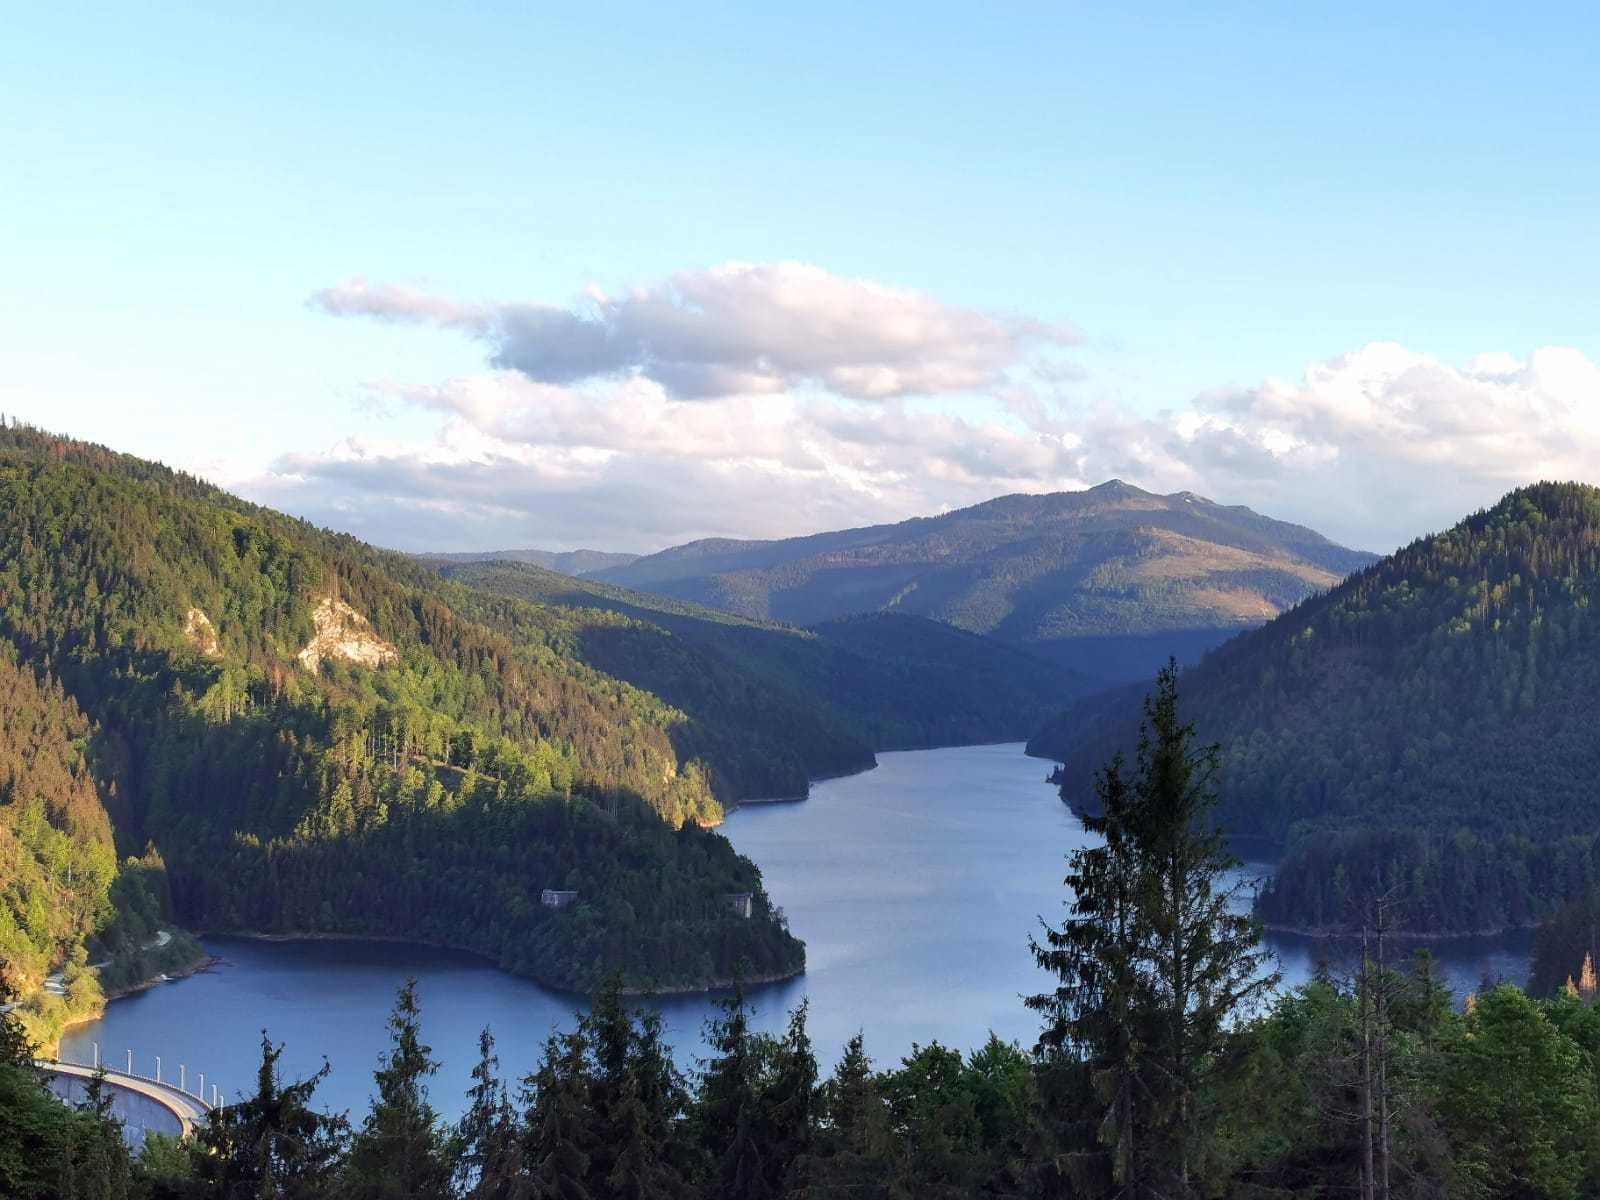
(343, 635)
(200, 633)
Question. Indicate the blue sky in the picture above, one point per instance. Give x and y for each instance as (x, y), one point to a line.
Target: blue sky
(1213, 199)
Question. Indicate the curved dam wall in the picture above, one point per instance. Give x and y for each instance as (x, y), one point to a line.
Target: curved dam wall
(143, 1106)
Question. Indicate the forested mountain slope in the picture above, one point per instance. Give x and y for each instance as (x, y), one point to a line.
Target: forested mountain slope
(824, 698)
(1107, 580)
(565, 562)
(1427, 729)
(318, 739)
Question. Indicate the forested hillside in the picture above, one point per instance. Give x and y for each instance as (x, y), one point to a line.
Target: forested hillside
(1108, 581)
(1427, 729)
(565, 562)
(775, 704)
(316, 738)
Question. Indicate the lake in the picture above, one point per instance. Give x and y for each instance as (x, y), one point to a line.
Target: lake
(914, 885)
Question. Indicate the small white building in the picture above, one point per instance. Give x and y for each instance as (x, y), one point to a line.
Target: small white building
(553, 898)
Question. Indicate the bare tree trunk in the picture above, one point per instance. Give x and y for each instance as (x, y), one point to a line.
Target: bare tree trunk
(1383, 1059)
(1364, 986)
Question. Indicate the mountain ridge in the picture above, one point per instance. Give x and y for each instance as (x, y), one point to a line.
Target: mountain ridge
(564, 562)
(838, 691)
(1083, 578)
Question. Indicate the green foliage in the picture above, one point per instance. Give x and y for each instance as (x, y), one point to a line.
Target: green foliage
(399, 1151)
(434, 796)
(1153, 964)
(1445, 690)
(58, 863)
(1520, 1103)
(49, 1151)
(271, 1144)
(769, 705)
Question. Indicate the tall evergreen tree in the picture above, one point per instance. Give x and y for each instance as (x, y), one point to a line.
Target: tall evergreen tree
(639, 1169)
(1089, 1042)
(487, 1147)
(400, 1152)
(789, 1103)
(727, 1114)
(1153, 962)
(272, 1144)
(851, 1155)
(560, 1144)
(1205, 960)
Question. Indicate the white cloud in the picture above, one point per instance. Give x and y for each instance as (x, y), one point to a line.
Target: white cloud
(736, 329)
(1380, 445)
(780, 400)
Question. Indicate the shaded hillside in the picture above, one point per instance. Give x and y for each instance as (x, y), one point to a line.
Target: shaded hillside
(1427, 727)
(1108, 580)
(565, 562)
(318, 739)
(823, 699)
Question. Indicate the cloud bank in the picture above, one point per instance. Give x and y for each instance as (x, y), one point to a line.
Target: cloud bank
(737, 329)
(780, 400)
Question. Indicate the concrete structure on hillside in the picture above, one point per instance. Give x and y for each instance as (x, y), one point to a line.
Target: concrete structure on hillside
(552, 898)
(742, 903)
(142, 1105)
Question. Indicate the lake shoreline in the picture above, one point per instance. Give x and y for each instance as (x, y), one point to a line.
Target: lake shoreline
(204, 962)
(718, 985)
(914, 886)
(1405, 937)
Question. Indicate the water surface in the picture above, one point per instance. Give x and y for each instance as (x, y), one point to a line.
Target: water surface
(915, 887)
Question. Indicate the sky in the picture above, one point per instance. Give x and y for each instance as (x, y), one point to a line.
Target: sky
(615, 276)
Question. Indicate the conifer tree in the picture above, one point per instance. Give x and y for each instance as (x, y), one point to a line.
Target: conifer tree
(1205, 957)
(1098, 956)
(274, 1143)
(788, 1102)
(1153, 962)
(400, 1152)
(850, 1155)
(559, 1143)
(639, 1171)
(488, 1142)
(727, 1116)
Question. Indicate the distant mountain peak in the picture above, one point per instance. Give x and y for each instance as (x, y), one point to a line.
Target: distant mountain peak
(1066, 572)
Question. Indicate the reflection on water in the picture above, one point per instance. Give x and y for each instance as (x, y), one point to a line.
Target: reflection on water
(915, 887)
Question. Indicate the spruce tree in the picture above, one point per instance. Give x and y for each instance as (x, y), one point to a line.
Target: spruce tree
(487, 1148)
(559, 1146)
(274, 1143)
(639, 1170)
(788, 1103)
(1089, 1047)
(851, 1156)
(1205, 960)
(608, 1033)
(1152, 964)
(662, 1093)
(726, 1116)
(400, 1152)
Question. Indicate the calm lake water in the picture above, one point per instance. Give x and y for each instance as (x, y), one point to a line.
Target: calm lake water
(914, 885)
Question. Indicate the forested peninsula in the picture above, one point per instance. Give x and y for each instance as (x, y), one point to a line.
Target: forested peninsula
(219, 715)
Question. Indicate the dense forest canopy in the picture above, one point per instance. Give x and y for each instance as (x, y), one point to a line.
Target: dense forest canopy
(1164, 1070)
(786, 703)
(429, 771)
(1426, 727)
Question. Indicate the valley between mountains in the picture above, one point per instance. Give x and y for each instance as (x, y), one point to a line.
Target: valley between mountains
(218, 717)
